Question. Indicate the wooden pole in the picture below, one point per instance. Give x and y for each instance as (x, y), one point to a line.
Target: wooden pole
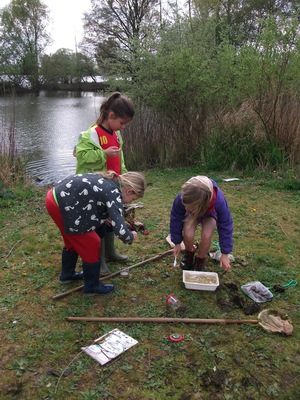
(163, 320)
(59, 296)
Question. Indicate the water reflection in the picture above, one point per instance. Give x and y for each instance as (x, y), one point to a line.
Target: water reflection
(47, 127)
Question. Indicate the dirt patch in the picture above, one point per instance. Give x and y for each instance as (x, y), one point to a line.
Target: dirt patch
(217, 378)
(229, 297)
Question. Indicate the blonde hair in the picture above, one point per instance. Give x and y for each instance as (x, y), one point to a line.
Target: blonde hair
(135, 181)
(130, 180)
(197, 193)
(108, 174)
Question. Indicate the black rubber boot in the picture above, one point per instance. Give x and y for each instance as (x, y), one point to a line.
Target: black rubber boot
(199, 264)
(68, 264)
(187, 260)
(92, 286)
(110, 251)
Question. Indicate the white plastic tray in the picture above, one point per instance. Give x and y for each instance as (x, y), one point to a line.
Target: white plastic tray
(198, 280)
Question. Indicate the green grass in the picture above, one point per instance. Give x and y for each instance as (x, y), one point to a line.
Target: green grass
(213, 361)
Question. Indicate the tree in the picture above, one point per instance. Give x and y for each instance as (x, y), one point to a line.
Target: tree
(115, 30)
(23, 37)
(65, 66)
(197, 81)
(241, 21)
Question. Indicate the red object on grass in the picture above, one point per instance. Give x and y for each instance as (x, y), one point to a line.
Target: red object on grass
(175, 337)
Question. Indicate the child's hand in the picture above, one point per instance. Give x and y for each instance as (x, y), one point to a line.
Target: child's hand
(112, 151)
(224, 262)
(135, 235)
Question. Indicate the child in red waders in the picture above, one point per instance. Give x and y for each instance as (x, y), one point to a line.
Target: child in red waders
(80, 205)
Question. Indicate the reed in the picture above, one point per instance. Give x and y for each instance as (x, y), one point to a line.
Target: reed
(155, 140)
(12, 167)
(250, 137)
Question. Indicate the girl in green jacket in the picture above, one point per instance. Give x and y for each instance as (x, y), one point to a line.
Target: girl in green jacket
(100, 149)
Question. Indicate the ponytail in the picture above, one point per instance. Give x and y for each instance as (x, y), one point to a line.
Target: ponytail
(119, 104)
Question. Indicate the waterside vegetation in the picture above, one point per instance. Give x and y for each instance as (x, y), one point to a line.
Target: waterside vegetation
(218, 85)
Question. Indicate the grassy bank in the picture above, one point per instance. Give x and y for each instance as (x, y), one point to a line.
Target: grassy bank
(212, 361)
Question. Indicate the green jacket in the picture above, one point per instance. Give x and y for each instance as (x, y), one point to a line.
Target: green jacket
(90, 155)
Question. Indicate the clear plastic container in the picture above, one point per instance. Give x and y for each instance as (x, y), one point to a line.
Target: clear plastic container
(125, 273)
(173, 302)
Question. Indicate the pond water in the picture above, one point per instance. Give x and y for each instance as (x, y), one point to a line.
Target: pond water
(47, 127)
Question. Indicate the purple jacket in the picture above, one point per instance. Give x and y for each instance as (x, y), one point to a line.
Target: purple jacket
(221, 214)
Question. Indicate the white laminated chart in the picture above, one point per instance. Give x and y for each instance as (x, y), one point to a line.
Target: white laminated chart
(109, 346)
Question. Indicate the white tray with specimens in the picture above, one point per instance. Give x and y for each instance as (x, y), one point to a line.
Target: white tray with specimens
(198, 280)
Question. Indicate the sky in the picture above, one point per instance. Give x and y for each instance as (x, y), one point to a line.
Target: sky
(66, 26)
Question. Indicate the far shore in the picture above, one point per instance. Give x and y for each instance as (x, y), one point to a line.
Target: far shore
(75, 87)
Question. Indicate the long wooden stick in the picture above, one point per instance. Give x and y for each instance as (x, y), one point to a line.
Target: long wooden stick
(59, 296)
(173, 320)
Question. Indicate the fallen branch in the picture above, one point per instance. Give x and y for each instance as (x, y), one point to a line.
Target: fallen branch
(7, 255)
(62, 374)
(59, 296)
(284, 231)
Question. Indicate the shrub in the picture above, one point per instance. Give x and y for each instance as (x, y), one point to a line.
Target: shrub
(239, 149)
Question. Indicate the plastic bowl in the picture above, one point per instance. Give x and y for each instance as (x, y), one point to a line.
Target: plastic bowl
(198, 280)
